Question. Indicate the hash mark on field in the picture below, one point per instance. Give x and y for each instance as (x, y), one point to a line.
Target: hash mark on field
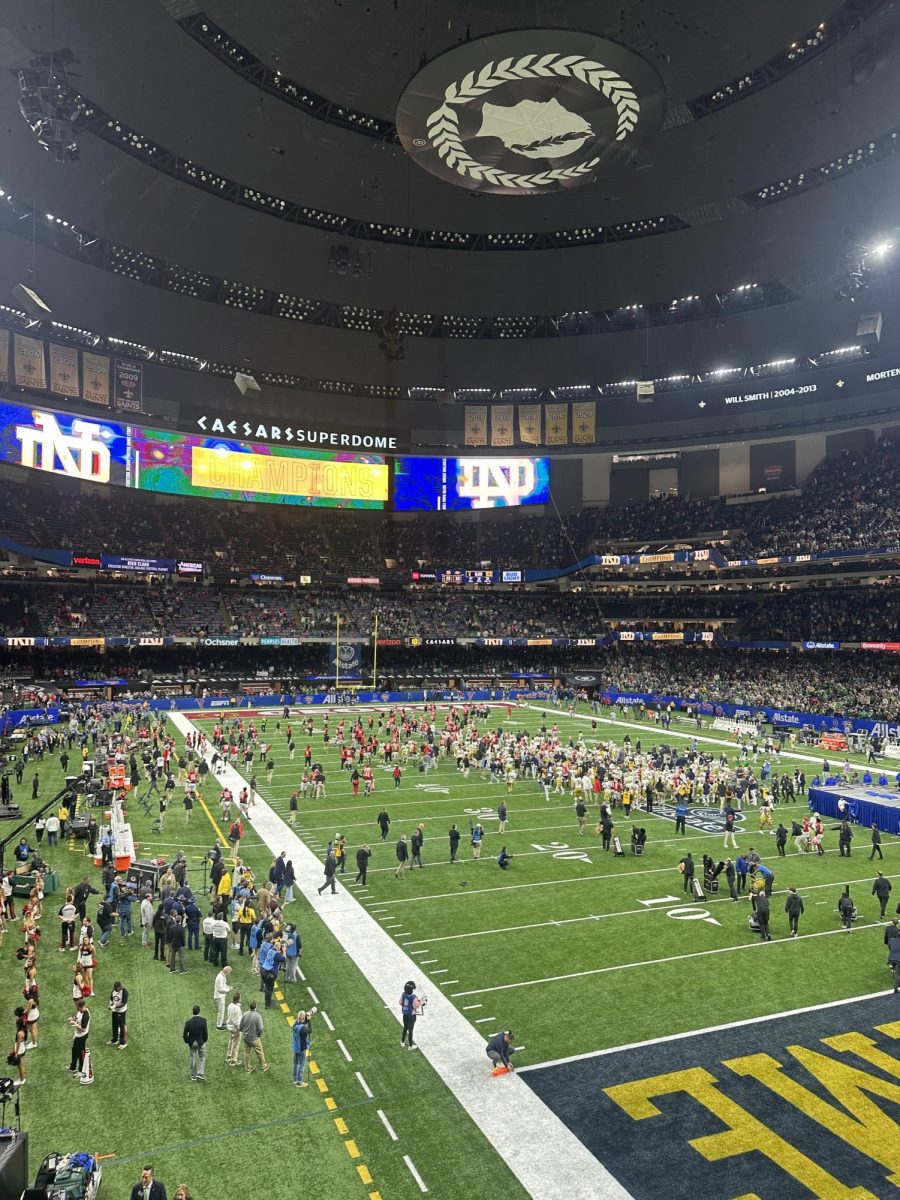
(365, 1087)
(386, 1123)
(440, 970)
(343, 1049)
(327, 1020)
(423, 962)
(466, 1007)
(423, 1187)
(313, 996)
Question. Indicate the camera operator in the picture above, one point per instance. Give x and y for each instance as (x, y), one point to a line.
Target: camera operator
(301, 1036)
(410, 1008)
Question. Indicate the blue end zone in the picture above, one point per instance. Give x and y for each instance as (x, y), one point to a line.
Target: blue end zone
(789, 1117)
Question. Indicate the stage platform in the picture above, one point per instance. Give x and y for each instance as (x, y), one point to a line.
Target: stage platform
(865, 804)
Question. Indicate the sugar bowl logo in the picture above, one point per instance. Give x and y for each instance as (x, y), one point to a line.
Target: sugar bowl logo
(529, 111)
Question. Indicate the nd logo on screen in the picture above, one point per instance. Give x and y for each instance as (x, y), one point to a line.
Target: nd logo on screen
(493, 482)
(81, 453)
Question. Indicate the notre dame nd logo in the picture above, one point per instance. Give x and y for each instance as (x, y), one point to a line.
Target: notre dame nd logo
(787, 1108)
(529, 111)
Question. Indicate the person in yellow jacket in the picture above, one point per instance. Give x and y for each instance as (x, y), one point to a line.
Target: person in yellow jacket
(340, 852)
(246, 919)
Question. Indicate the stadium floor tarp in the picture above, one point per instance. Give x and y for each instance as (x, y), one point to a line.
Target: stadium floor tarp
(864, 805)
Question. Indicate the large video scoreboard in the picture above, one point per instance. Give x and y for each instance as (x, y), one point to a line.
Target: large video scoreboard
(228, 467)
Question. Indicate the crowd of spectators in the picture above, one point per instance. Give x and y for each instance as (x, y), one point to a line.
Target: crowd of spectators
(859, 685)
(844, 613)
(852, 500)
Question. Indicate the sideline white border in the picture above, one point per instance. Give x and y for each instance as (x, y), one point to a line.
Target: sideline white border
(548, 1159)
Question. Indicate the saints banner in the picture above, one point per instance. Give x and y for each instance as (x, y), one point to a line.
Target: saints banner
(476, 425)
(530, 424)
(64, 370)
(345, 660)
(128, 392)
(502, 425)
(584, 422)
(556, 424)
(95, 378)
(30, 369)
(4, 356)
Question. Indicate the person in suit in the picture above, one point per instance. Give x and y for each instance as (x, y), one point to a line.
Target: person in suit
(363, 854)
(195, 1036)
(148, 1188)
(330, 869)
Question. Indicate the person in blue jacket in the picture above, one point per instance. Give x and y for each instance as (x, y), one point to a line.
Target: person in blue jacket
(741, 866)
(503, 859)
(477, 838)
(680, 815)
(292, 948)
(499, 1050)
(410, 1007)
(761, 870)
(300, 1036)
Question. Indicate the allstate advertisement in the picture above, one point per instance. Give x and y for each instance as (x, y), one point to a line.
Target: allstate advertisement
(818, 721)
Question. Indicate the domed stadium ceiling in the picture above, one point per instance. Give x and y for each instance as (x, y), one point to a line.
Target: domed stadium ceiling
(540, 191)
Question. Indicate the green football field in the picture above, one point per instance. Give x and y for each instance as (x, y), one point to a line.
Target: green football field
(573, 948)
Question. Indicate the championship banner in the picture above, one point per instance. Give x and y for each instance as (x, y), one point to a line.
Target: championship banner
(501, 425)
(584, 422)
(128, 393)
(64, 370)
(530, 424)
(4, 356)
(556, 424)
(95, 377)
(30, 370)
(476, 425)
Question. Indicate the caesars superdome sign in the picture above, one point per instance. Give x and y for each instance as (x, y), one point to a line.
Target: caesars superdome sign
(529, 111)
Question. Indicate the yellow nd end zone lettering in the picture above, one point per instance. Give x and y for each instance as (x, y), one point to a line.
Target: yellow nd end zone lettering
(744, 1134)
(868, 1129)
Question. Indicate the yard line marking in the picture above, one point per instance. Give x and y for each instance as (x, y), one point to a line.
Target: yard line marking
(513, 887)
(466, 1007)
(440, 970)
(446, 982)
(301, 975)
(313, 996)
(484, 1020)
(343, 1049)
(674, 1037)
(628, 912)
(653, 962)
(386, 1123)
(365, 1087)
(325, 1017)
(423, 1187)
(424, 962)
